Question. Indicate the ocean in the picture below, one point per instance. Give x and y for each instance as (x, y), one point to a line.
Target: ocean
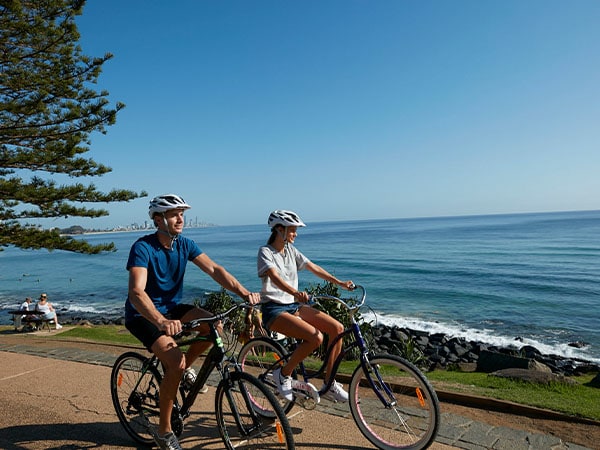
(502, 279)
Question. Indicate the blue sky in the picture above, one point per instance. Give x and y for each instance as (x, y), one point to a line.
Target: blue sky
(344, 110)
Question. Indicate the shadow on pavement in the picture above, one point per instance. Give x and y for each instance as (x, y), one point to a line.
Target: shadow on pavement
(66, 436)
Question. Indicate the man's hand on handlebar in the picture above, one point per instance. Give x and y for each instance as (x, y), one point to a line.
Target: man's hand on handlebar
(252, 298)
(170, 327)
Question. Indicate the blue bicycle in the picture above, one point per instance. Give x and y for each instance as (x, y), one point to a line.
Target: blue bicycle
(390, 399)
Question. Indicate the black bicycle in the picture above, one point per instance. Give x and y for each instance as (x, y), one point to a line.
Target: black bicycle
(390, 399)
(248, 414)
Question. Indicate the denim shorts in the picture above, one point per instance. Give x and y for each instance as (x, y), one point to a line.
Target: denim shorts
(271, 310)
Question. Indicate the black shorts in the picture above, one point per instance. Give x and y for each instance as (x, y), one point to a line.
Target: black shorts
(147, 332)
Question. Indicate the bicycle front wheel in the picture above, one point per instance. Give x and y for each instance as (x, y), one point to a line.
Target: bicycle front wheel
(134, 386)
(240, 426)
(393, 404)
(258, 357)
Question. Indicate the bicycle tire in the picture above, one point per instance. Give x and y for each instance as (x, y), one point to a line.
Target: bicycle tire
(135, 395)
(240, 426)
(412, 422)
(257, 357)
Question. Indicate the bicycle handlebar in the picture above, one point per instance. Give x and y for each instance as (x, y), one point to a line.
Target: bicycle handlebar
(314, 298)
(187, 326)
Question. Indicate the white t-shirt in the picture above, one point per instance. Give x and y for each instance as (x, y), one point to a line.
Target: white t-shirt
(24, 306)
(287, 265)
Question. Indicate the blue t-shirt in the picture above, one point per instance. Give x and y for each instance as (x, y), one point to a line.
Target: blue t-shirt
(166, 269)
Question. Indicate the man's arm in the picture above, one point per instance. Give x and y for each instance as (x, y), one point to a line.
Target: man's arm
(138, 276)
(224, 278)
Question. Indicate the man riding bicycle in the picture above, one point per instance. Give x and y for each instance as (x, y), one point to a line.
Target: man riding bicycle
(153, 309)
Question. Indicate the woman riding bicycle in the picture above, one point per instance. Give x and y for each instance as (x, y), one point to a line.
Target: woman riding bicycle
(283, 305)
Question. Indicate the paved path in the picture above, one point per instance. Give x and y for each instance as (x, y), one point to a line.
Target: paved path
(52, 400)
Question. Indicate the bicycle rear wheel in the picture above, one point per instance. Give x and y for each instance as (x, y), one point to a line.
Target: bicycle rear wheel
(240, 426)
(257, 357)
(412, 416)
(134, 386)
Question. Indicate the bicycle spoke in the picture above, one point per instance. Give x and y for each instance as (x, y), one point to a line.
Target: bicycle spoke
(239, 423)
(401, 411)
(134, 390)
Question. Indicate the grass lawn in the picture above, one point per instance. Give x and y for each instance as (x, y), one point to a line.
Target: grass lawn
(116, 334)
(579, 399)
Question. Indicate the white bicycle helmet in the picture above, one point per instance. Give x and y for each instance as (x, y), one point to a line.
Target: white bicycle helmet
(166, 202)
(285, 218)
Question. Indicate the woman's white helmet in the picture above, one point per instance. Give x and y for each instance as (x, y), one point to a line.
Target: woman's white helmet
(166, 202)
(285, 218)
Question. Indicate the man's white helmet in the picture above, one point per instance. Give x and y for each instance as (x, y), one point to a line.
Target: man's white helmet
(166, 202)
(285, 218)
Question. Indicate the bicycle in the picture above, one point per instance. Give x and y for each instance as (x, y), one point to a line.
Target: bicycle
(391, 401)
(239, 397)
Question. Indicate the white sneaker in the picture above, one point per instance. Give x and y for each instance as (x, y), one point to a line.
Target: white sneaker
(189, 378)
(58, 327)
(284, 384)
(336, 393)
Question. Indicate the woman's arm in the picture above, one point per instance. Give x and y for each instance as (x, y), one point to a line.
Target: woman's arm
(323, 274)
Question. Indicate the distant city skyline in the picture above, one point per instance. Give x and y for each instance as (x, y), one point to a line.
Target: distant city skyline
(145, 225)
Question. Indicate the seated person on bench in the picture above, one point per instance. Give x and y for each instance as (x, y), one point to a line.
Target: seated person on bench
(24, 307)
(47, 310)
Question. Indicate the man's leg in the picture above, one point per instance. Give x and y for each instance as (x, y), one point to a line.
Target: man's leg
(196, 349)
(173, 360)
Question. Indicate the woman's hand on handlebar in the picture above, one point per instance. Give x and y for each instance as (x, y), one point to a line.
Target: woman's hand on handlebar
(348, 285)
(302, 296)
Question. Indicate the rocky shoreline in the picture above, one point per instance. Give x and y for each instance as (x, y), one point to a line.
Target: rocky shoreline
(441, 351)
(437, 350)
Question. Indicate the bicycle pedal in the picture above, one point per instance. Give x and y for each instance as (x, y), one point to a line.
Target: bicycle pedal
(306, 402)
(306, 393)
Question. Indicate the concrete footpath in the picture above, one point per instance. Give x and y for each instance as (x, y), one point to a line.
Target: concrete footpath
(59, 398)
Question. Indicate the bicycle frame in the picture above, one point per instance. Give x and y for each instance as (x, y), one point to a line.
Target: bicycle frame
(358, 341)
(216, 358)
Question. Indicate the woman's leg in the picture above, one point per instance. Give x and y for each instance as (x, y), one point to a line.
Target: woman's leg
(329, 326)
(293, 326)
